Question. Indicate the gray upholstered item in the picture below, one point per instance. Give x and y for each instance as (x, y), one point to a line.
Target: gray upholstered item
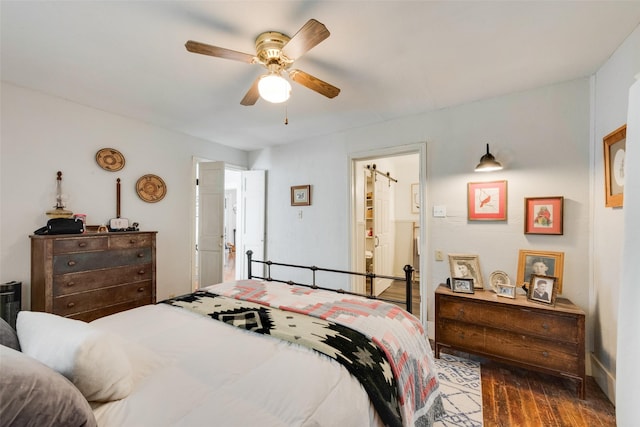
(31, 394)
(8, 335)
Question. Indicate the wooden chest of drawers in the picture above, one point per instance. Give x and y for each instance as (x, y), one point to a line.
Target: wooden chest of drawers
(545, 338)
(87, 276)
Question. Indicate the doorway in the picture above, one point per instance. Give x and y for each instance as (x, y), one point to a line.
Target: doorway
(229, 219)
(387, 222)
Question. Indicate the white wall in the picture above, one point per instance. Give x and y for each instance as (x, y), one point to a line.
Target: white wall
(542, 137)
(42, 135)
(627, 410)
(612, 83)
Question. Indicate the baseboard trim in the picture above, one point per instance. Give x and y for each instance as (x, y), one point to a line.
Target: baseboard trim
(604, 378)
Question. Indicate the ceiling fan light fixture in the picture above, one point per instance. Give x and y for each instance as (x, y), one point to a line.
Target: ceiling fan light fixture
(274, 88)
(488, 163)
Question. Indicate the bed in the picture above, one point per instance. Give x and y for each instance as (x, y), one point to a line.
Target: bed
(252, 352)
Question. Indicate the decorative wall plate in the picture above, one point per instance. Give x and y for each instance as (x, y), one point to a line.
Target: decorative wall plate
(499, 278)
(151, 188)
(110, 159)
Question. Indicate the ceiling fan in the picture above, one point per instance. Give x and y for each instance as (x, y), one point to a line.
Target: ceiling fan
(276, 52)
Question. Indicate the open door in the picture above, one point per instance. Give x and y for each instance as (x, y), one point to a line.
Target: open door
(252, 220)
(210, 249)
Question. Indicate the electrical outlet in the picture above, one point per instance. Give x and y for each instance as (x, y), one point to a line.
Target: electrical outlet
(300, 214)
(439, 255)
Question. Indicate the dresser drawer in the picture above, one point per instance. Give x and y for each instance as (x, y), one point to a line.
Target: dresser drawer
(461, 335)
(80, 244)
(552, 355)
(76, 262)
(516, 319)
(64, 284)
(130, 241)
(68, 305)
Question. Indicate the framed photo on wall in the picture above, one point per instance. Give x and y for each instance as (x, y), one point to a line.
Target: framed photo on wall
(543, 215)
(301, 195)
(542, 263)
(415, 198)
(487, 201)
(615, 145)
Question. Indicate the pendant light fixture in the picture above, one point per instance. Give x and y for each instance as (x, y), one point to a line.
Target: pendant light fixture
(488, 163)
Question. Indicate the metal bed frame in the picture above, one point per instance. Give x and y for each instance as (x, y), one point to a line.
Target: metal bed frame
(408, 273)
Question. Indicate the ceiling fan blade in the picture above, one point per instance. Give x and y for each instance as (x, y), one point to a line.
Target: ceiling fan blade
(220, 52)
(309, 36)
(314, 83)
(252, 94)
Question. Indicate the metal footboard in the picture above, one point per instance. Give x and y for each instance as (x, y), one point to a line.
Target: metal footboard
(370, 277)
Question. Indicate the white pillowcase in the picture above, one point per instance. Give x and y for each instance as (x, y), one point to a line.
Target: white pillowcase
(91, 359)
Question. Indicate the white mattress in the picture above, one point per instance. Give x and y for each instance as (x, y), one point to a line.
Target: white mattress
(194, 371)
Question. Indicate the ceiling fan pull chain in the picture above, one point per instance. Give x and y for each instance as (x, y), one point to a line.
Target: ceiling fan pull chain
(286, 115)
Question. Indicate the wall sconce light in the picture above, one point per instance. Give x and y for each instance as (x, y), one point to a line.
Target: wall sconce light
(488, 163)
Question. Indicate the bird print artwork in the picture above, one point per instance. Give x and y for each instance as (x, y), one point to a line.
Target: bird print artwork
(487, 200)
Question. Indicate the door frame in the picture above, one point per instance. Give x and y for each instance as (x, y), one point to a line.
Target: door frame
(419, 148)
(194, 231)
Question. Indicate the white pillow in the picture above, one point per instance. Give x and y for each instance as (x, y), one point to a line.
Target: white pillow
(91, 359)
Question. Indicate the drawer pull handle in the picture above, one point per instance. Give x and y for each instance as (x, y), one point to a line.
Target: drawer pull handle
(71, 305)
(545, 353)
(140, 289)
(140, 255)
(461, 335)
(82, 244)
(70, 284)
(71, 263)
(141, 272)
(545, 326)
(132, 241)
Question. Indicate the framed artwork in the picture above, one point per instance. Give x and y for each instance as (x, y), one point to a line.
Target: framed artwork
(543, 215)
(415, 198)
(542, 263)
(487, 201)
(614, 153)
(459, 284)
(498, 278)
(466, 266)
(542, 289)
(301, 195)
(508, 291)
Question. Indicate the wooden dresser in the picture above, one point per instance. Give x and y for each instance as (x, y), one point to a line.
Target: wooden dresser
(516, 331)
(87, 276)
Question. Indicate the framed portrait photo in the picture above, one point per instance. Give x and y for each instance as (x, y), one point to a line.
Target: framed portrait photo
(301, 195)
(615, 145)
(542, 263)
(487, 201)
(543, 215)
(542, 289)
(466, 266)
(459, 284)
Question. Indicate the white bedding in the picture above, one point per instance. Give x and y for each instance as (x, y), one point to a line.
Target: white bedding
(193, 371)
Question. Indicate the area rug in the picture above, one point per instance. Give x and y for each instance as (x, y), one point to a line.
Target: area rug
(461, 390)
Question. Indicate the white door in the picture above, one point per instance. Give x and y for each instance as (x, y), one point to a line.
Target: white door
(383, 238)
(210, 223)
(252, 221)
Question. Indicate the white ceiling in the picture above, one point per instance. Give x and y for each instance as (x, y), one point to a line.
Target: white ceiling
(390, 58)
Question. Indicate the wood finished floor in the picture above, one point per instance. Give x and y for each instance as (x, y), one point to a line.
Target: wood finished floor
(515, 397)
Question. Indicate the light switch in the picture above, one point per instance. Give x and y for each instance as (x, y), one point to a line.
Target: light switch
(439, 255)
(440, 211)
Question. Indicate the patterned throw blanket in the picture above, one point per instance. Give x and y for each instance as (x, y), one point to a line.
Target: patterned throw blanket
(381, 345)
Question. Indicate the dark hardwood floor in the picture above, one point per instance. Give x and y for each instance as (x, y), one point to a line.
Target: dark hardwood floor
(515, 397)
